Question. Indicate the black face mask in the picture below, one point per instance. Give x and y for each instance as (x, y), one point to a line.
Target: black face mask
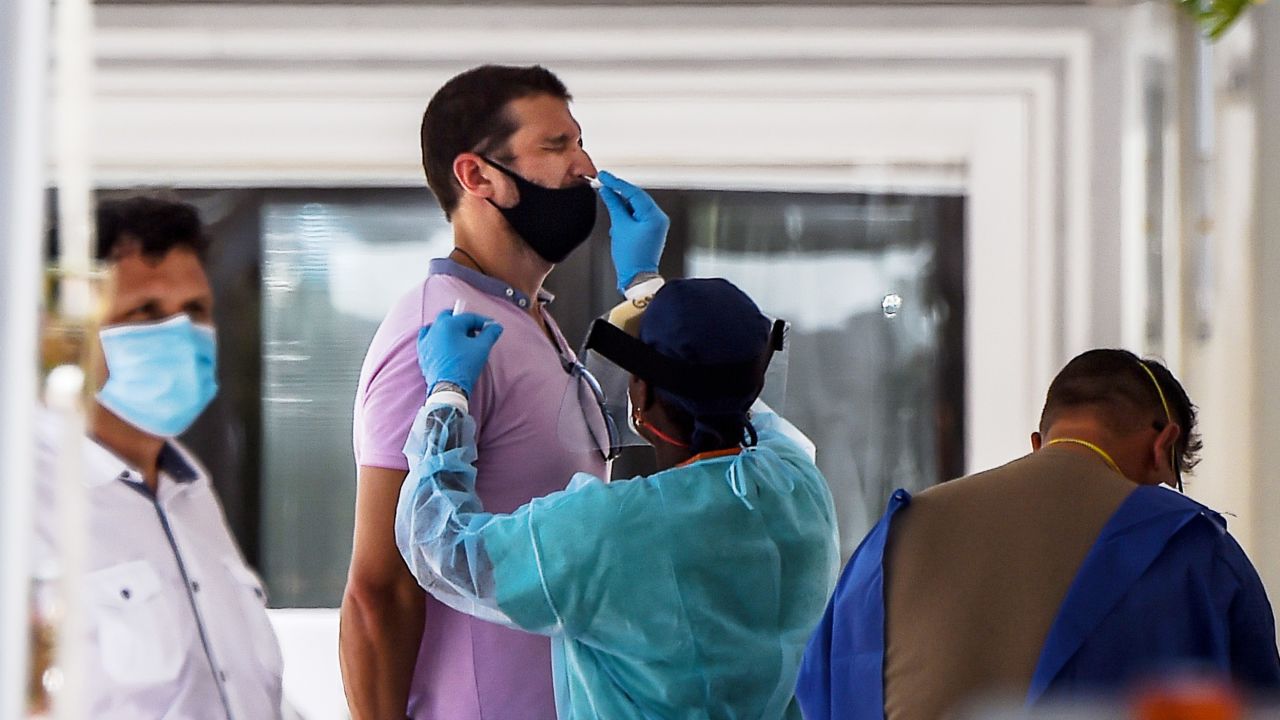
(554, 222)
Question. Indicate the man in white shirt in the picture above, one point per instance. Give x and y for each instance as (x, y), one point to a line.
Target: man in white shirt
(176, 625)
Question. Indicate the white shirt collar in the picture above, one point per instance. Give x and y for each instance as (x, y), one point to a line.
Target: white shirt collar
(104, 466)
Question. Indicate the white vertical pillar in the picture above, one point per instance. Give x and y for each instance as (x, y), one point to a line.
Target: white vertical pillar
(1179, 307)
(24, 57)
(73, 48)
(1266, 428)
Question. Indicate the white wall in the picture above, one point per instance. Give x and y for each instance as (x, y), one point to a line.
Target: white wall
(23, 49)
(312, 680)
(1263, 428)
(1227, 339)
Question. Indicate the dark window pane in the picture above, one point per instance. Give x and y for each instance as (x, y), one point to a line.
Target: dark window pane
(879, 395)
(333, 264)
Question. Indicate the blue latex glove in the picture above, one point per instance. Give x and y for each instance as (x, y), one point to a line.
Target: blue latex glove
(455, 348)
(638, 228)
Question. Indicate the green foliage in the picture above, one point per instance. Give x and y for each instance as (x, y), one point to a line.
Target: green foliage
(1216, 16)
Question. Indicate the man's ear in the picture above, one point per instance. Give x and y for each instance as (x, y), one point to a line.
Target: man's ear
(1036, 441)
(469, 171)
(1165, 447)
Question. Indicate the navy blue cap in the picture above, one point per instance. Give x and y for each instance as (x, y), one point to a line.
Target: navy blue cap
(704, 347)
(705, 321)
(709, 322)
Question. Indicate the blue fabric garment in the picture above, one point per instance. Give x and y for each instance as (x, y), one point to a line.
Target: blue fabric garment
(1164, 586)
(842, 675)
(689, 593)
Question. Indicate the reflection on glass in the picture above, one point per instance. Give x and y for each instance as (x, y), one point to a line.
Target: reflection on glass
(331, 270)
(877, 388)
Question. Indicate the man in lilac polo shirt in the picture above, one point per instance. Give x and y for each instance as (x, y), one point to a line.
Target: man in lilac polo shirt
(503, 156)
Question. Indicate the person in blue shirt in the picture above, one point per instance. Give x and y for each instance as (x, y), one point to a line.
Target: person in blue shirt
(689, 593)
(1069, 571)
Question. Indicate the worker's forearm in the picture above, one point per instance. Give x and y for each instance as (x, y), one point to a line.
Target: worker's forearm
(378, 642)
(436, 519)
(440, 519)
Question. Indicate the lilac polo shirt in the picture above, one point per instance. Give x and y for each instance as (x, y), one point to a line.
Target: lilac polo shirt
(469, 669)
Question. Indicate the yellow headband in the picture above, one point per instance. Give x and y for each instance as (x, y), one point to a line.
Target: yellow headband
(1173, 451)
(1159, 390)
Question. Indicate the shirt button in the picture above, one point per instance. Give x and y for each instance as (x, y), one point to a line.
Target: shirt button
(523, 302)
(222, 675)
(195, 586)
(124, 593)
(510, 292)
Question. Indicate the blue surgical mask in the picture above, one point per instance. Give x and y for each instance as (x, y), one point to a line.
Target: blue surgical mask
(160, 376)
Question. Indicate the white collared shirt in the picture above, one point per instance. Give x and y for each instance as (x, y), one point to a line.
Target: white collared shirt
(176, 622)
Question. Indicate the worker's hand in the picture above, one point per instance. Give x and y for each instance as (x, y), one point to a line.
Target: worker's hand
(638, 228)
(455, 348)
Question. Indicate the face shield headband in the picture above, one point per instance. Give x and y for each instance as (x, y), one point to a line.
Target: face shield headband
(686, 379)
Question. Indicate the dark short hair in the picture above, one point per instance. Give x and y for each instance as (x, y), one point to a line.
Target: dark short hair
(470, 114)
(706, 432)
(1114, 384)
(152, 225)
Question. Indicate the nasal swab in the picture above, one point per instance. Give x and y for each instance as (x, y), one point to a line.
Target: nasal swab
(459, 307)
(593, 182)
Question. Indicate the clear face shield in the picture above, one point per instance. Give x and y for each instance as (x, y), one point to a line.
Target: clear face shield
(588, 419)
(595, 413)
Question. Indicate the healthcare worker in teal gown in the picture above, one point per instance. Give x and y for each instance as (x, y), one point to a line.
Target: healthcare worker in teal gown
(689, 593)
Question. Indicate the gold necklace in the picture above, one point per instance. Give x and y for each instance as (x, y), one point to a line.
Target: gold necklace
(1102, 453)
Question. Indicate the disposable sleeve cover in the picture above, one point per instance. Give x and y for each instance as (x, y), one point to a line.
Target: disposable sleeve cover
(441, 526)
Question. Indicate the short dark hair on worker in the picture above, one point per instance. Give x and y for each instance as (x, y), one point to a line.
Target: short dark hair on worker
(470, 114)
(1113, 383)
(707, 432)
(152, 225)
